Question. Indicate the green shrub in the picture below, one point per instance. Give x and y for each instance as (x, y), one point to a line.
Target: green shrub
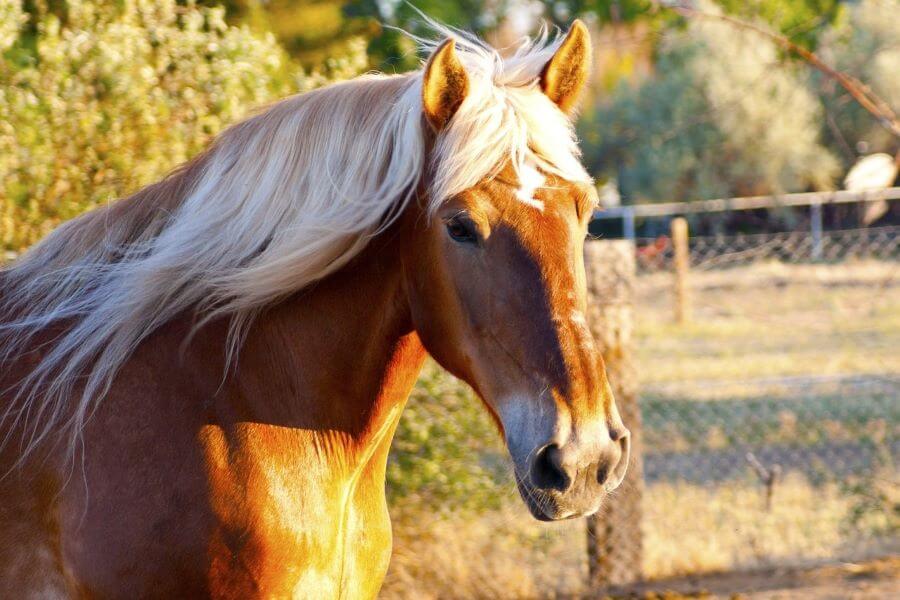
(447, 454)
(117, 94)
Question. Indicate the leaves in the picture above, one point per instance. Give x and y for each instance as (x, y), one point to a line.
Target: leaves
(722, 116)
(118, 94)
(446, 452)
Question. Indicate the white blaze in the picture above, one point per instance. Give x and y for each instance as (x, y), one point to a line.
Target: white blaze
(530, 179)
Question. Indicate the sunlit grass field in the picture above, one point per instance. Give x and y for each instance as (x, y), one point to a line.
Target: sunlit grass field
(772, 320)
(776, 358)
(688, 529)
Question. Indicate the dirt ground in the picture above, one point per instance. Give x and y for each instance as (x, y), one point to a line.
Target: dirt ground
(875, 579)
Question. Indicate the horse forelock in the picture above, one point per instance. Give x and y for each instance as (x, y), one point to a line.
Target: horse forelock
(277, 202)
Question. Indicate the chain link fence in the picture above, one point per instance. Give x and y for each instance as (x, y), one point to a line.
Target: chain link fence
(720, 252)
(771, 414)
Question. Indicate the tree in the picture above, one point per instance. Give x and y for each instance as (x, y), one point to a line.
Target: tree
(864, 44)
(721, 116)
(803, 21)
(391, 50)
(313, 32)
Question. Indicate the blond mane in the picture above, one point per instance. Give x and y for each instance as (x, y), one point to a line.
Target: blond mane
(277, 202)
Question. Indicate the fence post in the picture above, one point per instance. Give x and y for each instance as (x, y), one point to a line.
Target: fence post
(682, 269)
(815, 224)
(615, 547)
(628, 222)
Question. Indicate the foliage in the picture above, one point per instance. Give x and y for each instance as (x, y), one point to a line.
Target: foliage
(874, 494)
(610, 11)
(447, 453)
(117, 94)
(865, 46)
(391, 50)
(803, 21)
(312, 31)
(722, 116)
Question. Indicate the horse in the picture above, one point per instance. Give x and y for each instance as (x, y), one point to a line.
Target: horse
(200, 382)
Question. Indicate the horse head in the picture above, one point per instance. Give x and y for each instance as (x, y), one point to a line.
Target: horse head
(498, 297)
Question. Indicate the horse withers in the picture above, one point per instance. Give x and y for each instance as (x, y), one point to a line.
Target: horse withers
(200, 382)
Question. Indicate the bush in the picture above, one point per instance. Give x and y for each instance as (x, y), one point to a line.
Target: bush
(447, 454)
(723, 115)
(114, 96)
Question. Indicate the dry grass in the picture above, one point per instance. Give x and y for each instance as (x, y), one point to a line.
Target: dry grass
(688, 529)
(504, 553)
(865, 579)
(772, 320)
(692, 529)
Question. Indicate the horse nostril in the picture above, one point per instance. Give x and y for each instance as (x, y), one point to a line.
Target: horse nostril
(616, 458)
(617, 433)
(616, 470)
(547, 472)
(602, 473)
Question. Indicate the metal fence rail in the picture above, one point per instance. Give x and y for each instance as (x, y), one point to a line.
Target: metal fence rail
(814, 200)
(719, 252)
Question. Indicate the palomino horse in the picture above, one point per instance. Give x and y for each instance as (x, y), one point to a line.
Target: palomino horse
(201, 382)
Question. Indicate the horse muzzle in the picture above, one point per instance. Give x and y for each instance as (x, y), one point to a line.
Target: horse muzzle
(569, 481)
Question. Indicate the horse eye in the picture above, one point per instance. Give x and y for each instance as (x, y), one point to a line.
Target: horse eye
(460, 231)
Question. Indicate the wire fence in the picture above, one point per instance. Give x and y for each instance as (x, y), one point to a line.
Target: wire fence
(771, 414)
(718, 252)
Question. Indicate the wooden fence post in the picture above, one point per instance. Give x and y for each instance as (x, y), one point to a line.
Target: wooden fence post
(615, 546)
(682, 269)
(815, 225)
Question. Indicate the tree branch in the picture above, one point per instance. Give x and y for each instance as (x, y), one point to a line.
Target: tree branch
(864, 96)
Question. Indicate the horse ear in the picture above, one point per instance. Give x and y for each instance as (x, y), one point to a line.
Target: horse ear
(565, 74)
(444, 86)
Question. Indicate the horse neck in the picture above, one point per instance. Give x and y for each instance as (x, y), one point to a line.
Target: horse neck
(334, 364)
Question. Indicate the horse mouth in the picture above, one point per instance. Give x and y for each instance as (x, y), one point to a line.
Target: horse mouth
(546, 507)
